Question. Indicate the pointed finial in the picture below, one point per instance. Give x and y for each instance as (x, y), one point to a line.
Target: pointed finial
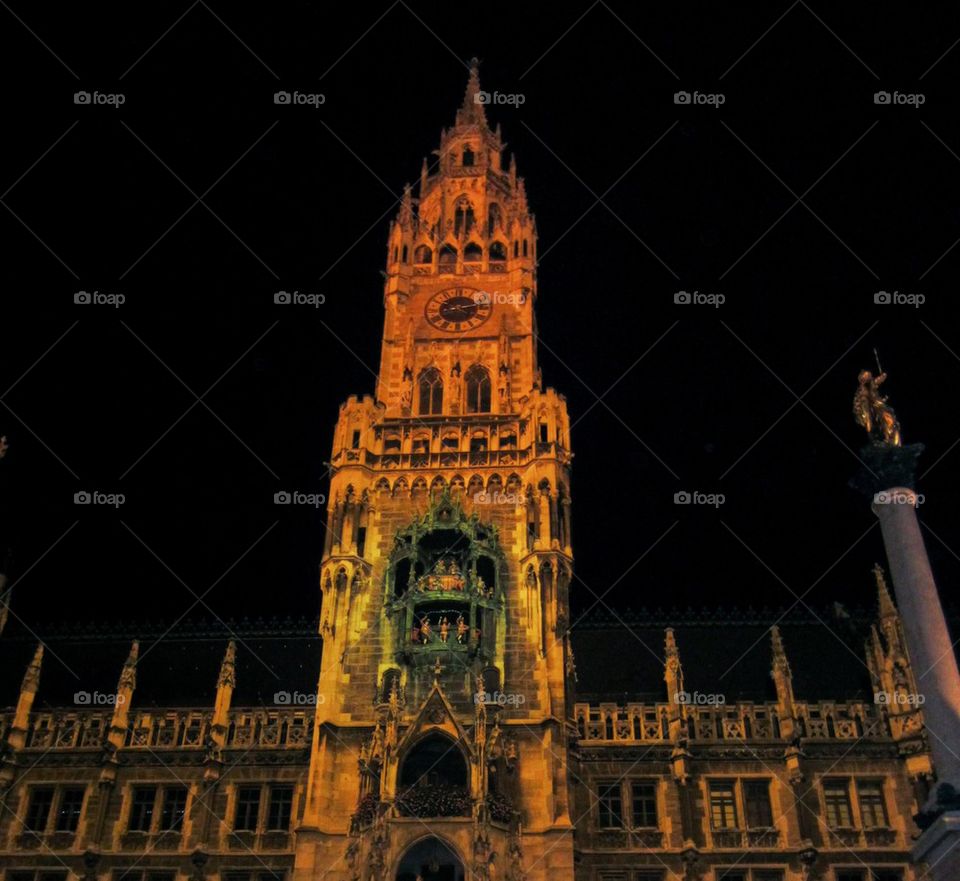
(780, 661)
(128, 676)
(670, 643)
(406, 206)
(394, 697)
(437, 670)
(32, 675)
(472, 110)
(228, 667)
(884, 600)
(776, 640)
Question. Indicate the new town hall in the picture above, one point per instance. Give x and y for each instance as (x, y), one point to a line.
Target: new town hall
(452, 734)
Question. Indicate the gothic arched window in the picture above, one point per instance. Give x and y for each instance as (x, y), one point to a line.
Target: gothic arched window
(478, 390)
(431, 392)
(448, 256)
(473, 253)
(463, 219)
(493, 216)
(422, 254)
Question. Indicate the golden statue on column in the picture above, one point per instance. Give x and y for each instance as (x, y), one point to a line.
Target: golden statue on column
(871, 410)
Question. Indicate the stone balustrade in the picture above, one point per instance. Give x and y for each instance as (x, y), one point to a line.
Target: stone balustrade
(648, 722)
(168, 729)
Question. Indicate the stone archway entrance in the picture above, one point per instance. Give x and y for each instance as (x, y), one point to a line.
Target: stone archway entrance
(430, 860)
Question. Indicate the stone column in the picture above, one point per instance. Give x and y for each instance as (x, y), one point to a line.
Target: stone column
(931, 650)
(889, 478)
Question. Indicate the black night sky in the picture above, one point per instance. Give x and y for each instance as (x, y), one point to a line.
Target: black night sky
(199, 398)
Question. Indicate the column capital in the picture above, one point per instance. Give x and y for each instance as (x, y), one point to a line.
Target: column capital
(885, 466)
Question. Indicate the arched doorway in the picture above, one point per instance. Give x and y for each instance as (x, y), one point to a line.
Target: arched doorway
(430, 860)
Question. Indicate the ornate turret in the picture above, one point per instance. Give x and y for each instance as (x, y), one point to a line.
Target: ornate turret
(121, 711)
(783, 680)
(16, 739)
(677, 699)
(226, 683)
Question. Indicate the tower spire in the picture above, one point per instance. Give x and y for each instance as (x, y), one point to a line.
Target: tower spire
(472, 111)
(884, 600)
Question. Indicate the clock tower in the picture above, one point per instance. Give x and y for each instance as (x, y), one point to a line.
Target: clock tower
(444, 706)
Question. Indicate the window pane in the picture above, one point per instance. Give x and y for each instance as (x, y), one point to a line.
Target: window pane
(836, 799)
(281, 802)
(68, 813)
(38, 810)
(732, 874)
(872, 809)
(644, 803)
(611, 805)
(248, 808)
(723, 806)
(767, 875)
(756, 797)
(174, 808)
(141, 810)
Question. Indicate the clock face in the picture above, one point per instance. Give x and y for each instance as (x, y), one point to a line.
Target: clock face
(458, 309)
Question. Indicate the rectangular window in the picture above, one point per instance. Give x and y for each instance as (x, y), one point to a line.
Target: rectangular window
(38, 810)
(836, 800)
(355, 440)
(723, 806)
(873, 811)
(611, 805)
(767, 875)
(248, 808)
(141, 808)
(732, 874)
(68, 811)
(281, 804)
(643, 803)
(173, 809)
(756, 804)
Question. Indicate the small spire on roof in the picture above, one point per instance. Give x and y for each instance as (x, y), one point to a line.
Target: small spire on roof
(228, 667)
(31, 678)
(472, 111)
(884, 600)
(128, 676)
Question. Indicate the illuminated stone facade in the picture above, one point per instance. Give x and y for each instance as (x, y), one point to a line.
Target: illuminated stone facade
(446, 738)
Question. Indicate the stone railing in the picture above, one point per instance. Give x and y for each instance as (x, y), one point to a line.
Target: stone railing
(449, 458)
(169, 729)
(648, 723)
(746, 838)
